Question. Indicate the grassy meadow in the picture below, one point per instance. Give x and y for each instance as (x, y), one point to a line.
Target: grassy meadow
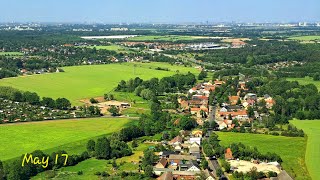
(305, 38)
(11, 54)
(290, 149)
(305, 81)
(312, 129)
(80, 82)
(50, 136)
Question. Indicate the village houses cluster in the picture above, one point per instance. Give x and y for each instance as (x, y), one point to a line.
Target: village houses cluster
(184, 159)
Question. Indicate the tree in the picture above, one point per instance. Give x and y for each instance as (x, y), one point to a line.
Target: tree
(63, 104)
(139, 89)
(109, 97)
(187, 123)
(48, 102)
(114, 163)
(149, 158)
(147, 94)
(148, 171)
(114, 110)
(93, 101)
(316, 76)
(202, 75)
(204, 164)
(31, 98)
(250, 112)
(219, 172)
(1, 171)
(103, 148)
(91, 145)
(134, 144)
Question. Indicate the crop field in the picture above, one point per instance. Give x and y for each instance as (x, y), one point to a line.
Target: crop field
(305, 81)
(312, 129)
(170, 38)
(11, 54)
(305, 38)
(69, 135)
(290, 149)
(80, 82)
(110, 48)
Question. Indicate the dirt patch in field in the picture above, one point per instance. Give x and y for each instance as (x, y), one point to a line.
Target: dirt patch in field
(87, 100)
(236, 40)
(246, 166)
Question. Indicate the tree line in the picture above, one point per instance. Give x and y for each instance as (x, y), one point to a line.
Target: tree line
(33, 98)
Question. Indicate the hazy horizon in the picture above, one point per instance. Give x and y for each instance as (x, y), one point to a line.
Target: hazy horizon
(164, 11)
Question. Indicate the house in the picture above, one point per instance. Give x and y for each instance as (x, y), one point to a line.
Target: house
(166, 176)
(194, 148)
(177, 139)
(174, 159)
(208, 174)
(162, 163)
(177, 147)
(222, 125)
(194, 110)
(193, 90)
(240, 115)
(196, 140)
(184, 104)
(250, 96)
(197, 155)
(190, 165)
(214, 166)
(165, 154)
(196, 133)
(233, 99)
(228, 154)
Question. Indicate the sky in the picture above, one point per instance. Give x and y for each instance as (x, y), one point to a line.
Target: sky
(159, 11)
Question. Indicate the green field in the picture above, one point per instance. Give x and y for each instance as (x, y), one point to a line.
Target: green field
(90, 166)
(312, 129)
(17, 139)
(291, 149)
(11, 54)
(305, 81)
(305, 38)
(170, 38)
(110, 48)
(79, 82)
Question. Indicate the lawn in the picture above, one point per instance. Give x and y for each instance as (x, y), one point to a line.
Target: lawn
(170, 38)
(69, 135)
(305, 81)
(80, 82)
(291, 149)
(305, 38)
(11, 54)
(312, 129)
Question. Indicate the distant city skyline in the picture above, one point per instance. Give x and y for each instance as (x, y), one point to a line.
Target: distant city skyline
(164, 11)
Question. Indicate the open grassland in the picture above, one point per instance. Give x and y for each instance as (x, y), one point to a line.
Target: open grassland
(305, 38)
(11, 54)
(291, 149)
(90, 166)
(305, 81)
(17, 139)
(80, 82)
(312, 129)
(109, 48)
(170, 38)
